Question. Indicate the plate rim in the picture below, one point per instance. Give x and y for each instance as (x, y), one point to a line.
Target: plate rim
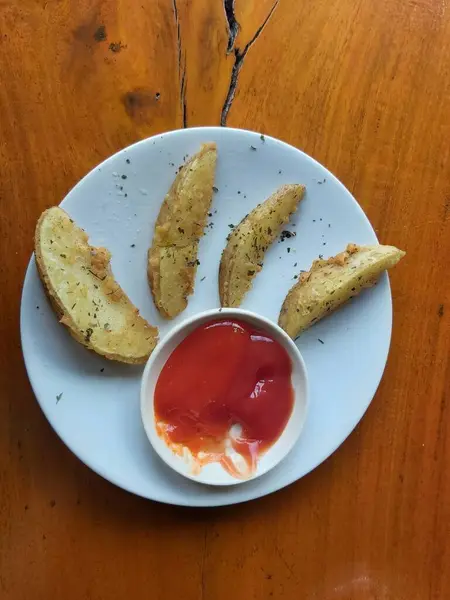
(210, 500)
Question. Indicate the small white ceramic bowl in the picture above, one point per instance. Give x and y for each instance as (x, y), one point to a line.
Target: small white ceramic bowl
(214, 473)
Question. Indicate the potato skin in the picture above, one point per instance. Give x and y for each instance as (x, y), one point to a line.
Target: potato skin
(330, 283)
(244, 253)
(172, 258)
(78, 281)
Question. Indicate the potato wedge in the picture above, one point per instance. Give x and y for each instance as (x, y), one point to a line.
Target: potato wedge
(88, 301)
(244, 253)
(330, 283)
(172, 258)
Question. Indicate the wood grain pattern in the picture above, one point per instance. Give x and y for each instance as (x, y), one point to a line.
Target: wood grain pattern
(362, 86)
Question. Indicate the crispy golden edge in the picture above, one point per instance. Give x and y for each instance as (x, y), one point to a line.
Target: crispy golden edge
(341, 260)
(231, 251)
(153, 260)
(63, 317)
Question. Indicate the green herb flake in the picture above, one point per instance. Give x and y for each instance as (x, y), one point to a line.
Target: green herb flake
(100, 34)
(58, 397)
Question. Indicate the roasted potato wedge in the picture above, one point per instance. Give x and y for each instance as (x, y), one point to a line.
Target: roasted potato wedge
(88, 301)
(172, 258)
(244, 253)
(330, 283)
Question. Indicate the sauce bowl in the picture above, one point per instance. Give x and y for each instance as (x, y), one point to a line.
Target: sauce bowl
(213, 473)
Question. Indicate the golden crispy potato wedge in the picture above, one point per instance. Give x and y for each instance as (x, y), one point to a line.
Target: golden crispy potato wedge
(244, 253)
(330, 283)
(87, 299)
(172, 258)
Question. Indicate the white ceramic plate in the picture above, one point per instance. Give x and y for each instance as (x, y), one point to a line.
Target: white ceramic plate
(98, 414)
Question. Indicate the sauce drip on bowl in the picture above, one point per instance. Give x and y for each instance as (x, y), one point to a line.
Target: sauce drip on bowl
(225, 390)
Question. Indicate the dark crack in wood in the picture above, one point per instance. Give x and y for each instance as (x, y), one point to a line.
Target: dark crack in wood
(239, 56)
(181, 65)
(238, 60)
(233, 25)
(183, 93)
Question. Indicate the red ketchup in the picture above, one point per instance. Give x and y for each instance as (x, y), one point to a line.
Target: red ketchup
(224, 374)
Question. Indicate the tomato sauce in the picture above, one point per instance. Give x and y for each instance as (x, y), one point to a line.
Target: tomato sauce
(227, 386)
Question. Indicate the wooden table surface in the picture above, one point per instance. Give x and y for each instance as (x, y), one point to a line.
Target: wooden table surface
(364, 87)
